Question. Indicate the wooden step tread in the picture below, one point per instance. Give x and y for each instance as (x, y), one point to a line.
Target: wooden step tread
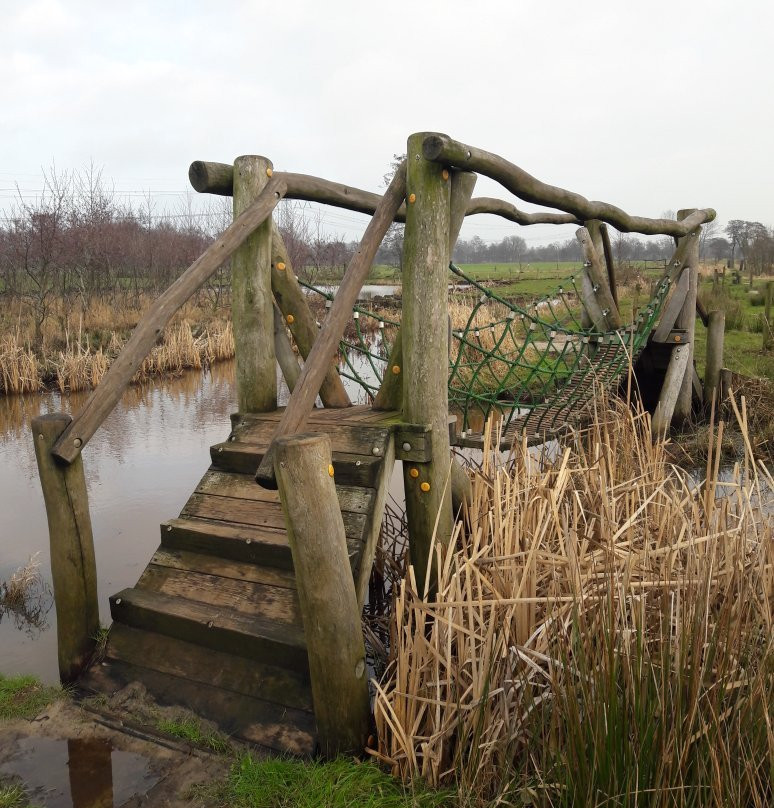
(221, 628)
(274, 727)
(251, 598)
(225, 671)
(348, 438)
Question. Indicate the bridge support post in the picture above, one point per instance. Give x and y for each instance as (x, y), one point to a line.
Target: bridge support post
(426, 350)
(73, 566)
(715, 334)
(326, 591)
(687, 319)
(251, 301)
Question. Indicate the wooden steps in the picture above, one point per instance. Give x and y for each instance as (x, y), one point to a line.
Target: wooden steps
(214, 622)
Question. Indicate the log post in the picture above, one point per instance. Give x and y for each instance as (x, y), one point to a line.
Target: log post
(299, 318)
(590, 239)
(251, 301)
(426, 349)
(326, 592)
(607, 248)
(285, 357)
(670, 390)
(687, 317)
(768, 326)
(714, 363)
(73, 566)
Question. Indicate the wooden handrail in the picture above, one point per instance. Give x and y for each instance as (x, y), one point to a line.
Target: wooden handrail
(324, 349)
(108, 393)
(442, 149)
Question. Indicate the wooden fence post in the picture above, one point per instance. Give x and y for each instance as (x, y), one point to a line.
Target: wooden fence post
(687, 319)
(251, 301)
(768, 326)
(426, 350)
(326, 591)
(715, 333)
(73, 566)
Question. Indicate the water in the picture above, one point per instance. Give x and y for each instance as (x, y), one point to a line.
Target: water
(78, 772)
(141, 466)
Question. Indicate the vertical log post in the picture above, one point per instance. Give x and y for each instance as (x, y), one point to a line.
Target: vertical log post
(607, 248)
(715, 333)
(73, 566)
(285, 357)
(251, 301)
(426, 349)
(326, 592)
(687, 319)
(768, 326)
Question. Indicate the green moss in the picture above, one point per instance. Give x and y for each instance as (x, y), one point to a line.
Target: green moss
(191, 730)
(24, 696)
(342, 783)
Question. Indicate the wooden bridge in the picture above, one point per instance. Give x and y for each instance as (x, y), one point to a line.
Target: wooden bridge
(249, 611)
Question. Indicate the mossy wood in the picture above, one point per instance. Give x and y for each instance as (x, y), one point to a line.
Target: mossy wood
(73, 566)
(334, 638)
(714, 359)
(687, 317)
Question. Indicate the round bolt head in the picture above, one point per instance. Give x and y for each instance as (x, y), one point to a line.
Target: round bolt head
(330, 469)
(269, 172)
(396, 369)
(77, 443)
(291, 319)
(445, 173)
(414, 473)
(406, 447)
(281, 266)
(425, 487)
(118, 601)
(412, 199)
(376, 450)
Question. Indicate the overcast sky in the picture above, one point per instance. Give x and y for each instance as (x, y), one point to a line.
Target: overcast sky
(651, 105)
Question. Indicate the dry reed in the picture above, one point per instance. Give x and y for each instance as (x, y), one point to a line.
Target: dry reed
(601, 632)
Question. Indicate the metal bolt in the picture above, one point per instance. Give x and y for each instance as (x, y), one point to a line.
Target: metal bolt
(406, 447)
(209, 624)
(77, 443)
(220, 448)
(169, 528)
(357, 462)
(248, 541)
(118, 601)
(376, 450)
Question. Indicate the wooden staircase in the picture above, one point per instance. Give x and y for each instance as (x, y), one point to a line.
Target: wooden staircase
(214, 622)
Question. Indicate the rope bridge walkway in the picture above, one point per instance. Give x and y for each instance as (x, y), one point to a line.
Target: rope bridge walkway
(534, 366)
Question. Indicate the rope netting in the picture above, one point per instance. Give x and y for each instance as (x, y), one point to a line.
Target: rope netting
(533, 365)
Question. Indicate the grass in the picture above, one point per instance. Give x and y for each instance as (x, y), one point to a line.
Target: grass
(12, 796)
(342, 783)
(24, 697)
(601, 633)
(192, 731)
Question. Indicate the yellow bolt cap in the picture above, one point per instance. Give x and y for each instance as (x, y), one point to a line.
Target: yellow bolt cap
(414, 473)
(445, 174)
(425, 487)
(281, 266)
(330, 470)
(396, 369)
(269, 172)
(412, 198)
(290, 318)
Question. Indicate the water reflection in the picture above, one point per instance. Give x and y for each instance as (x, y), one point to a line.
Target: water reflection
(78, 772)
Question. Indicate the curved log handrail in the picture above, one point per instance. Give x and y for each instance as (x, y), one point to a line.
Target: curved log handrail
(218, 178)
(118, 377)
(443, 149)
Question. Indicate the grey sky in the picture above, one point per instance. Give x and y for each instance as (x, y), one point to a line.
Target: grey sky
(652, 106)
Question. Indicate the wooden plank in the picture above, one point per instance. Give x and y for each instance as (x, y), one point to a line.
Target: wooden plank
(204, 665)
(270, 726)
(258, 514)
(350, 469)
(670, 390)
(345, 437)
(223, 567)
(228, 541)
(231, 484)
(275, 603)
(222, 629)
(673, 307)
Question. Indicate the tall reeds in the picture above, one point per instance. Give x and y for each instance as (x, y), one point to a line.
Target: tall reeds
(601, 633)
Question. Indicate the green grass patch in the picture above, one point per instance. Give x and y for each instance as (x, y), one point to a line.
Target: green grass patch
(342, 783)
(24, 696)
(12, 797)
(192, 731)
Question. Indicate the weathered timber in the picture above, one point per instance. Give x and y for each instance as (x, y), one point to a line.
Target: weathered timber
(702, 312)
(687, 317)
(284, 351)
(673, 307)
(299, 318)
(102, 401)
(320, 357)
(326, 592)
(444, 150)
(768, 326)
(598, 275)
(607, 249)
(389, 396)
(426, 351)
(217, 178)
(251, 301)
(592, 308)
(73, 567)
(670, 389)
(714, 362)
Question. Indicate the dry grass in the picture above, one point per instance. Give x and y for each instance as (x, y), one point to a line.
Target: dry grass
(601, 633)
(77, 348)
(26, 596)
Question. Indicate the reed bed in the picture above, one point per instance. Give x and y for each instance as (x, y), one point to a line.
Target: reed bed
(19, 367)
(601, 632)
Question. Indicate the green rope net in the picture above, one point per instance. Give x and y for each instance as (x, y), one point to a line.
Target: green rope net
(534, 366)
